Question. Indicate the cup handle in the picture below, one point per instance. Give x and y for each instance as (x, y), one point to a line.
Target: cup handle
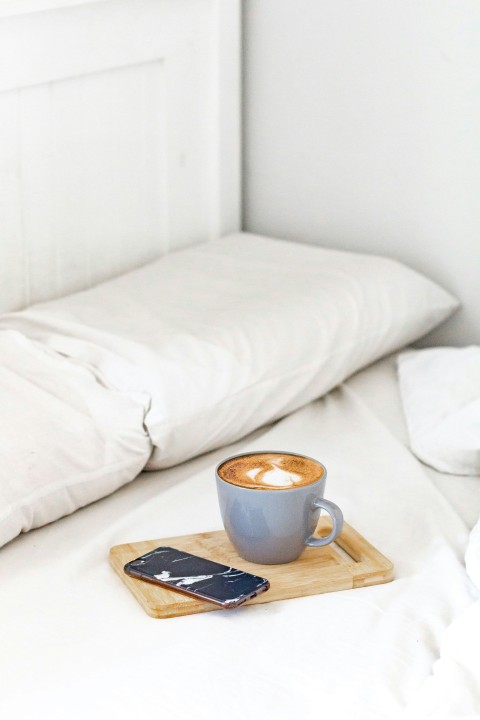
(337, 519)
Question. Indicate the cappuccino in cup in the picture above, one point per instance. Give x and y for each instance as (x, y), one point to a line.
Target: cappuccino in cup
(271, 471)
(270, 504)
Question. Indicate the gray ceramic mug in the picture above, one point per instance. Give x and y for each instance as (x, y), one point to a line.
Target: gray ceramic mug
(271, 527)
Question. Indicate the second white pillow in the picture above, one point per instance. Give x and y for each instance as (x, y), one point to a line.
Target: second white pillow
(440, 389)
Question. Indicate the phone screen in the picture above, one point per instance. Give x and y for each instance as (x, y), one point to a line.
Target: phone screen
(197, 576)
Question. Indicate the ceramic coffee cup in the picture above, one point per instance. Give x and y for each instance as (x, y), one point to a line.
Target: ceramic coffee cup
(272, 524)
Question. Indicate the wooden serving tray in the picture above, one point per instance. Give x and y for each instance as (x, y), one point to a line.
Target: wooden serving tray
(350, 562)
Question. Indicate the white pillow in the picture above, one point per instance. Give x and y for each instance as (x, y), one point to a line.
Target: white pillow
(440, 389)
(64, 439)
(226, 336)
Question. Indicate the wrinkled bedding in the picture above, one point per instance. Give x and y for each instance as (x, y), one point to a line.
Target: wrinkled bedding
(75, 643)
(453, 688)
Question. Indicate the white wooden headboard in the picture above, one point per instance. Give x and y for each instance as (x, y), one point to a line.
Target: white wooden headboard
(119, 137)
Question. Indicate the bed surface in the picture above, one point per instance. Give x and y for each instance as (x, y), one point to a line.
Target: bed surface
(73, 639)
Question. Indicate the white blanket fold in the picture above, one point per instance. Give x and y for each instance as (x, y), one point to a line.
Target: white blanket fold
(66, 439)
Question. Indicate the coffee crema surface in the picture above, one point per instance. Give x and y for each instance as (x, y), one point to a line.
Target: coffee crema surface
(270, 471)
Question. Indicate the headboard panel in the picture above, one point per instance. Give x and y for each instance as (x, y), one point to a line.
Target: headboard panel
(119, 138)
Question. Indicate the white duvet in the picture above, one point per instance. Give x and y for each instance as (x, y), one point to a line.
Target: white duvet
(76, 644)
(453, 689)
(440, 389)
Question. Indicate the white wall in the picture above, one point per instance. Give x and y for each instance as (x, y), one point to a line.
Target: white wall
(362, 132)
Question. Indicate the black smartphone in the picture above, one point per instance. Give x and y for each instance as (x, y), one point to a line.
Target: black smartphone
(197, 576)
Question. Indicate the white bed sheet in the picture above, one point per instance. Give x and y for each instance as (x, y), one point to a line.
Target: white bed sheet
(74, 643)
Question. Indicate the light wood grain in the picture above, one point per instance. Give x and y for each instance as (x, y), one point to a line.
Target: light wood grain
(318, 570)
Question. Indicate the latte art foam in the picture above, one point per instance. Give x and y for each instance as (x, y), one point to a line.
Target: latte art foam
(270, 471)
